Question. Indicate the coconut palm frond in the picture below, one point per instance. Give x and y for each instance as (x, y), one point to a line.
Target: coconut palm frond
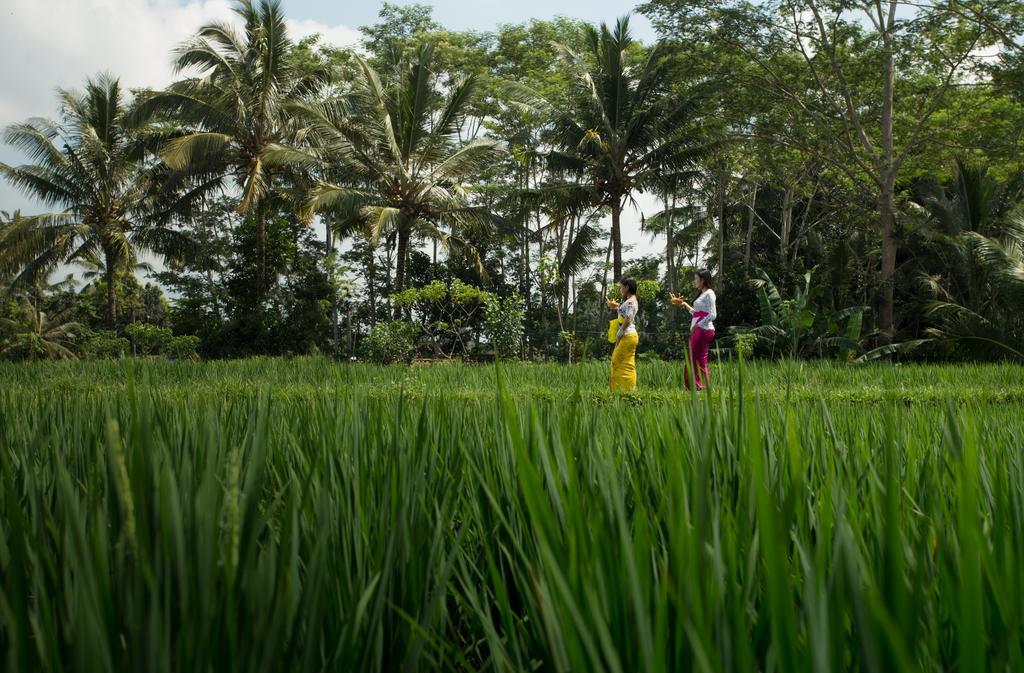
(195, 149)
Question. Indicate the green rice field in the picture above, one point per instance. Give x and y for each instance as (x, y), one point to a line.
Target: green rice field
(306, 515)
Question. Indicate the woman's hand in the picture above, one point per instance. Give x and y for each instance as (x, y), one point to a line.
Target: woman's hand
(613, 305)
(679, 301)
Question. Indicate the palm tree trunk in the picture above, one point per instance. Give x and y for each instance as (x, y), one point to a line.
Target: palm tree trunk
(403, 249)
(604, 287)
(110, 275)
(563, 299)
(334, 290)
(371, 286)
(617, 237)
(261, 254)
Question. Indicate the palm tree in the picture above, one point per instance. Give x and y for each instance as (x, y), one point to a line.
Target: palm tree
(398, 147)
(34, 333)
(628, 129)
(974, 279)
(92, 267)
(6, 220)
(234, 107)
(91, 165)
(680, 222)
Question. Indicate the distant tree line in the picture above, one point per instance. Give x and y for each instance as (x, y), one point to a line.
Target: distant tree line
(850, 172)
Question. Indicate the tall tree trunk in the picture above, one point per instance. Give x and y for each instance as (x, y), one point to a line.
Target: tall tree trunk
(720, 195)
(563, 283)
(786, 218)
(800, 227)
(887, 191)
(110, 273)
(670, 254)
(617, 237)
(573, 305)
(524, 257)
(334, 290)
(750, 229)
(213, 293)
(261, 253)
(371, 271)
(604, 286)
(524, 264)
(525, 234)
(348, 325)
(670, 244)
(543, 286)
(403, 249)
(389, 262)
(886, 208)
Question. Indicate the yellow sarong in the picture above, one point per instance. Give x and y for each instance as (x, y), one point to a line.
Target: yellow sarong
(624, 363)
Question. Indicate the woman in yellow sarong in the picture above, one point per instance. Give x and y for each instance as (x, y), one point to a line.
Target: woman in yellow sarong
(624, 356)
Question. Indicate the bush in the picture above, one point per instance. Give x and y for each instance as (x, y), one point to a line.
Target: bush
(184, 347)
(503, 322)
(448, 315)
(105, 345)
(149, 339)
(143, 339)
(647, 290)
(744, 345)
(577, 346)
(391, 342)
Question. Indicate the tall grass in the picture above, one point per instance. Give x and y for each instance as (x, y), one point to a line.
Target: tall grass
(307, 377)
(194, 518)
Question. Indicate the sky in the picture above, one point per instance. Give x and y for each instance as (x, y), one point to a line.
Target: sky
(51, 44)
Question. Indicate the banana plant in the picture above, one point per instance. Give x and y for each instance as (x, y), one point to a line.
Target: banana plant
(33, 334)
(800, 326)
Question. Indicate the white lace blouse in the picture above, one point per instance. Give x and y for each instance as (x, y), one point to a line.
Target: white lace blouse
(627, 309)
(704, 311)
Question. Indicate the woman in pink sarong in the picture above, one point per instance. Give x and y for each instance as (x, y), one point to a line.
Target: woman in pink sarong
(702, 327)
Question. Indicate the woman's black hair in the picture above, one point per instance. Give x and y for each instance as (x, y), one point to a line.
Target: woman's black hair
(630, 284)
(705, 278)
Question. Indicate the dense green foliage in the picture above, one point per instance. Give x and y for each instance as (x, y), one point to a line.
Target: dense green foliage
(390, 342)
(112, 203)
(302, 515)
(874, 145)
(850, 173)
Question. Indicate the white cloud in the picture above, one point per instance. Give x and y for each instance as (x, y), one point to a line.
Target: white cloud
(51, 44)
(58, 43)
(335, 36)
